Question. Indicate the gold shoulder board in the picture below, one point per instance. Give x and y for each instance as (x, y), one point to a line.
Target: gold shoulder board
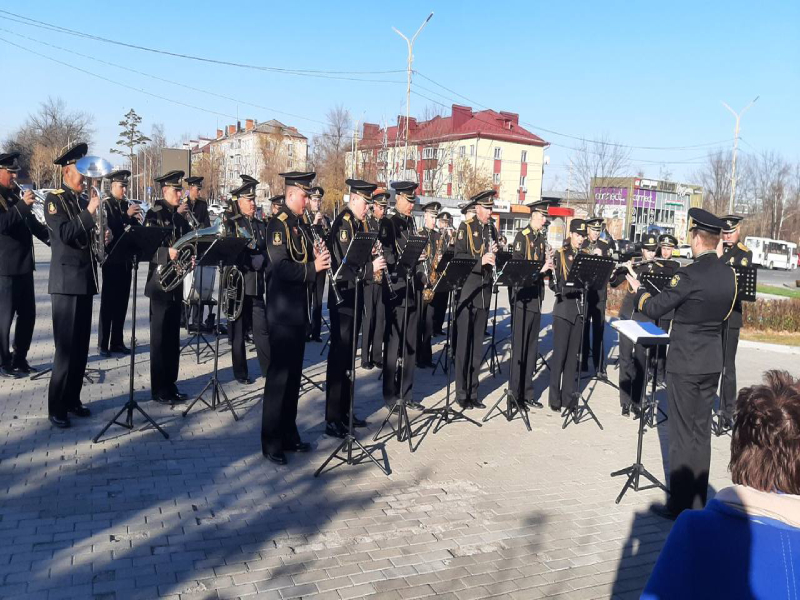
(282, 217)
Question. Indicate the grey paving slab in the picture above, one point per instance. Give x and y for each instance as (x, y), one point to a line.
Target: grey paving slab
(472, 513)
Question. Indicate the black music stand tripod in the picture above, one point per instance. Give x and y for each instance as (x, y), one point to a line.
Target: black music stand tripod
(359, 252)
(415, 246)
(137, 244)
(746, 280)
(223, 252)
(588, 272)
(491, 352)
(453, 278)
(655, 282)
(516, 274)
(198, 336)
(442, 361)
(652, 338)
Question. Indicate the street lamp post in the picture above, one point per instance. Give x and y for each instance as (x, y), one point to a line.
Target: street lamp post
(735, 146)
(410, 45)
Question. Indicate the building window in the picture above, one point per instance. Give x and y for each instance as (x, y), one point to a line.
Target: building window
(427, 175)
(429, 153)
(472, 150)
(498, 153)
(462, 150)
(290, 149)
(496, 179)
(524, 156)
(522, 180)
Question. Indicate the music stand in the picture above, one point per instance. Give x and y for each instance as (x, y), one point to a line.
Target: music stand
(516, 274)
(452, 279)
(501, 258)
(359, 252)
(746, 282)
(588, 272)
(650, 336)
(415, 246)
(447, 256)
(223, 252)
(654, 283)
(136, 244)
(198, 336)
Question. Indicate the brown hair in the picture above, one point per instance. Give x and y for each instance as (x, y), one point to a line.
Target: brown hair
(710, 240)
(765, 445)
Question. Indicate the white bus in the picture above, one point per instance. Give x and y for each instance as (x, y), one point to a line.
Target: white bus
(773, 254)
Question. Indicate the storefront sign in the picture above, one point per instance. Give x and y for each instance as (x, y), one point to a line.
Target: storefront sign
(644, 198)
(611, 196)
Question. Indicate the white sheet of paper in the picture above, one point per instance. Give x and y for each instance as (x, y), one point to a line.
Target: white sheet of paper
(645, 333)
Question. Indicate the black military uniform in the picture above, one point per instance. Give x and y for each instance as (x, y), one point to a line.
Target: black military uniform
(116, 288)
(425, 332)
(254, 311)
(567, 326)
(317, 287)
(529, 244)
(291, 258)
(199, 218)
(440, 299)
(736, 255)
(473, 302)
(633, 358)
(398, 229)
(668, 267)
(17, 228)
(73, 282)
(344, 321)
(165, 307)
(702, 295)
(373, 327)
(595, 321)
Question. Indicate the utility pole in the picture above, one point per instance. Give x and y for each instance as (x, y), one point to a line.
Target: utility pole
(735, 146)
(410, 45)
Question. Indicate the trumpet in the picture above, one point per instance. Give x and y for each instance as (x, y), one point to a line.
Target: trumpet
(143, 205)
(38, 204)
(319, 245)
(193, 222)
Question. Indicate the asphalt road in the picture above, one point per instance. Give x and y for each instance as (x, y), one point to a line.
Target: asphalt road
(778, 277)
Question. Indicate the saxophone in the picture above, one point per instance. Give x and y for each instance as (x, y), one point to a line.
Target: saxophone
(432, 263)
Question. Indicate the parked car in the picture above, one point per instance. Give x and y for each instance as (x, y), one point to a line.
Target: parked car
(683, 251)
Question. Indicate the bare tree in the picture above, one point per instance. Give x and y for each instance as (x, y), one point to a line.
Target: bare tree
(715, 177)
(473, 180)
(596, 164)
(40, 166)
(275, 158)
(52, 127)
(767, 189)
(330, 153)
(209, 167)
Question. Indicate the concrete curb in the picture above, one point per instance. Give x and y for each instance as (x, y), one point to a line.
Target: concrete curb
(780, 348)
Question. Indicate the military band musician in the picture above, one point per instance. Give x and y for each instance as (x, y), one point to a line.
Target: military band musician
(373, 327)
(425, 335)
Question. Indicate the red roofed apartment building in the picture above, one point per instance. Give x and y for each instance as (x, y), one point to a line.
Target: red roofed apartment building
(439, 150)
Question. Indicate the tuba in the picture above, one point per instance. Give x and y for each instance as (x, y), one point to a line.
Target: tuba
(94, 167)
(171, 275)
(232, 276)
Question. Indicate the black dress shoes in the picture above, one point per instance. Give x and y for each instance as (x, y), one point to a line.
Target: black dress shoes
(356, 421)
(626, 411)
(378, 364)
(637, 411)
(59, 422)
(244, 380)
(534, 403)
(663, 511)
(415, 405)
(80, 411)
(279, 458)
(121, 349)
(555, 408)
(368, 366)
(335, 429)
(21, 366)
(104, 352)
(297, 447)
(7, 372)
(478, 404)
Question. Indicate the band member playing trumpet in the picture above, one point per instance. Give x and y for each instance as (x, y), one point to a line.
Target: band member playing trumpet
(165, 307)
(17, 228)
(425, 330)
(322, 225)
(373, 327)
(343, 319)
(252, 264)
(294, 262)
(116, 287)
(476, 238)
(70, 219)
(530, 244)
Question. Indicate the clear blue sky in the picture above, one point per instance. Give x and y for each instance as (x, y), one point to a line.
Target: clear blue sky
(643, 73)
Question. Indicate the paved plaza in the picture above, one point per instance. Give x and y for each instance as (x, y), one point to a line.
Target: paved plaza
(472, 513)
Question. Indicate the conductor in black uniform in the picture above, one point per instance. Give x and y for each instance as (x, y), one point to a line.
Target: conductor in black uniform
(567, 329)
(399, 227)
(594, 325)
(702, 295)
(425, 340)
(73, 282)
(17, 228)
(530, 243)
(116, 289)
(252, 263)
(322, 225)
(476, 238)
(732, 252)
(165, 307)
(294, 263)
(373, 327)
(344, 321)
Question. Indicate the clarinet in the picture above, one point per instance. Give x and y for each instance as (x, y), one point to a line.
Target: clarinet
(319, 244)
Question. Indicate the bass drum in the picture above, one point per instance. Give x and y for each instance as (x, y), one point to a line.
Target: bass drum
(198, 285)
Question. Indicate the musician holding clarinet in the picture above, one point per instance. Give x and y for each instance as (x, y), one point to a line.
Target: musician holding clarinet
(476, 238)
(322, 225)
(17, 228)
(373, 327)
(343, 319)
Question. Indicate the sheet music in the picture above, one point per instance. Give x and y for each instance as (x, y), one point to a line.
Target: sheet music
(642, 332)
